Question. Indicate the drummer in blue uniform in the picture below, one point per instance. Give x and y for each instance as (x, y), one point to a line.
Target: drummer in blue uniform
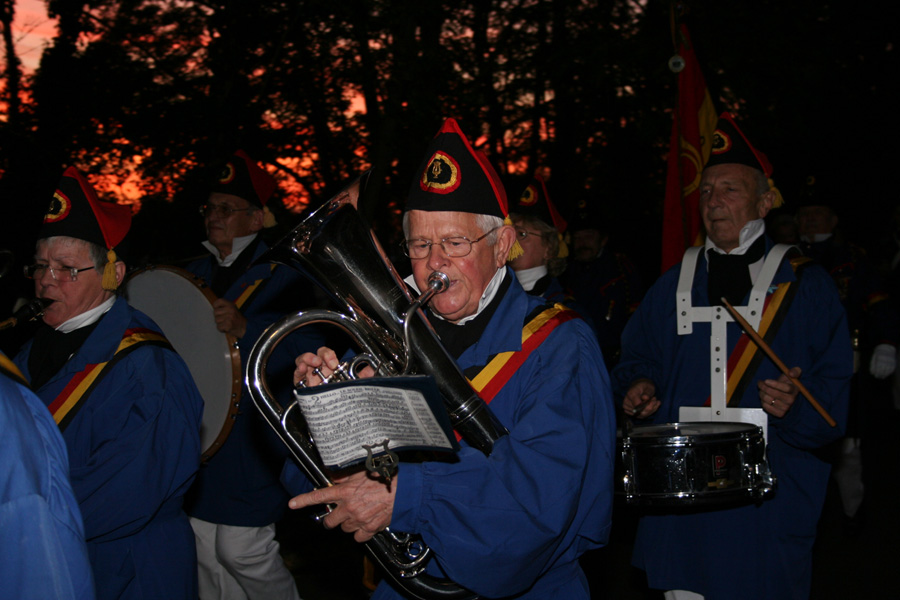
(237, 498)
(753, 550)
(125, 402)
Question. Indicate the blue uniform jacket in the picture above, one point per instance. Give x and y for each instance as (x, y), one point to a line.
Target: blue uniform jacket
(240, 484)
(134, 448)
(514, 524)
(608, 289)
(41, 533)
(555, 292)
(755, 551)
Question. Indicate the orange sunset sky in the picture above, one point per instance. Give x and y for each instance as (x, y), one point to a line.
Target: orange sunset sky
(31, 30)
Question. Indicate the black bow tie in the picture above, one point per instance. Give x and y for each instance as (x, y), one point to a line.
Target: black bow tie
(729, 274)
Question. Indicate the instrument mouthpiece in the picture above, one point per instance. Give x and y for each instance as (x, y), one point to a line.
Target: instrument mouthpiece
(28, 312)
(438, 282)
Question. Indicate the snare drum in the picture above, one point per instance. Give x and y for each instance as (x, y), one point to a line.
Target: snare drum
(181, 304)
(693, 464)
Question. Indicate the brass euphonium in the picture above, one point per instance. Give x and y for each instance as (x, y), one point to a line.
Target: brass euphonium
(334, 248)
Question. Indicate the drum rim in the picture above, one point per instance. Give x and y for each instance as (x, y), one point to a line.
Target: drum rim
(642, 434)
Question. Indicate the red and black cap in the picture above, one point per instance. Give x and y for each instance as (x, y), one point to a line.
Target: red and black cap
(75, 211)
(242, 177)
(457, 177)
(730, 145)
(535, 202)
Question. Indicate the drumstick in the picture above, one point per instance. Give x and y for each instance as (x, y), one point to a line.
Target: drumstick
(771, 354)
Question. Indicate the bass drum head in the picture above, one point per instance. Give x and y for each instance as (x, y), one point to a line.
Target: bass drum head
(181, 304)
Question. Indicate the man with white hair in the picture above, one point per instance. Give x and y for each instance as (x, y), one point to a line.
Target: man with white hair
(674, 352)
(513, 523)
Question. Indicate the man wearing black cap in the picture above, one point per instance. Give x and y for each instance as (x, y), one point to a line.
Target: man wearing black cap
(875, 330)
(539, 230)
(685, 359)
(605, 281)
(237, 498)
(124, 400)
(513, 523)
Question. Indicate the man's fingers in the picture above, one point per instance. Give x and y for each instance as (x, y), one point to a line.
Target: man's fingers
(313, 498)
(328, 357)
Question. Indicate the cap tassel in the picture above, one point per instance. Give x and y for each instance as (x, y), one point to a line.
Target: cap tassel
(109, 272)
(516, 250)
(563, 247)
(779, 200)
(268, 218)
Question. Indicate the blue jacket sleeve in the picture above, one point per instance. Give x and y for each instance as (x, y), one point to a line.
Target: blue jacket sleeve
(818, 342)
(42, 539)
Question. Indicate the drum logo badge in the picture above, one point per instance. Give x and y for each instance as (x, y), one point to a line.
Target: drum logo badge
(720, 473)
(719, 464)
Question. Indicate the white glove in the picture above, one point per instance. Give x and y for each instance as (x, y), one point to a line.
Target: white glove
(884, 361)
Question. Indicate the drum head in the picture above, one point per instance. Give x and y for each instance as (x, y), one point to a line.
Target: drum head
(675, 431)
(181, 304)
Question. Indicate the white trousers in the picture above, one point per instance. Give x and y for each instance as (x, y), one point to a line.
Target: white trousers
(682, 595)
(241, 563)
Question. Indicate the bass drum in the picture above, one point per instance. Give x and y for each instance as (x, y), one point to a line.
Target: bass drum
(181, 304)
(692, 464)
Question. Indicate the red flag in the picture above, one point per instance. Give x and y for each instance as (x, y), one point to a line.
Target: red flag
(693, 125)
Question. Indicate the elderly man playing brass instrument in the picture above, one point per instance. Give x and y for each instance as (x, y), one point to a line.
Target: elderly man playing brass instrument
(513, 523)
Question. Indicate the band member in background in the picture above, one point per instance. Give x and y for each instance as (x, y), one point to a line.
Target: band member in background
(605, 281)
(874, 324)
(761, 550)
(237, 497)
(125, 402)
(539, 230)
(513, 523)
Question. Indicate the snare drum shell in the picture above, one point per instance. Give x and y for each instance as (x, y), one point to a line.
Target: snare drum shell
(679, 464)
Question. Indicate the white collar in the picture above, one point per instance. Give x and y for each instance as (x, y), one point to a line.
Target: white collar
(528, 277)
(87, 318)
(815, 238)
(749, 234)
(238, 245)
(489, 292)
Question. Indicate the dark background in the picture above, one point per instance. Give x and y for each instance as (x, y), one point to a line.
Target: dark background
(578, 89)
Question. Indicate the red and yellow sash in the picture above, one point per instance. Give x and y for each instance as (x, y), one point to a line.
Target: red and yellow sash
(71, 398)
(746, 356)
(503, 366)
(253, 289)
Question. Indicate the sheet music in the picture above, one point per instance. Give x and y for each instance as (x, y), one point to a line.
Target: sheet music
(344, 417)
